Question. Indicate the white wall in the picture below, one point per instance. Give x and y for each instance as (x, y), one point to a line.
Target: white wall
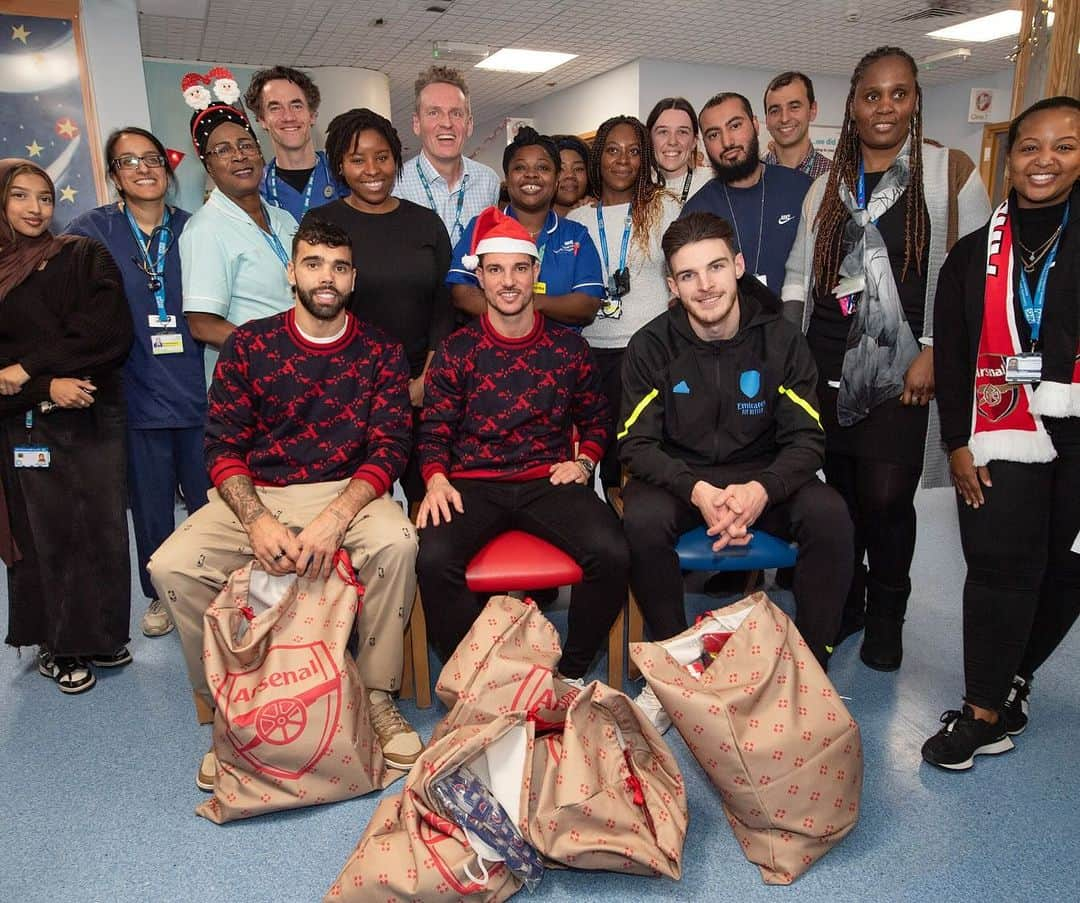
(574, 110)
(947, 110)
(114, 60)
(697, 83)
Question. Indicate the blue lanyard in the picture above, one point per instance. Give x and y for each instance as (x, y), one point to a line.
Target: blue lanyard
(455, 232)
(272, 239)
(860, 197)
(1033, 306)
(603, 237)
(328, 192)
(154, 267)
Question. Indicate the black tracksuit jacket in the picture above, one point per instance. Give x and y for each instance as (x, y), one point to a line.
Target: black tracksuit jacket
(727, 411)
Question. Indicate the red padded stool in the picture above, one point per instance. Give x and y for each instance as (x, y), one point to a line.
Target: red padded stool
(516, 560)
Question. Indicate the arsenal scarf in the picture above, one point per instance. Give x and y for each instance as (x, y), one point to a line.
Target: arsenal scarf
(1003, 425)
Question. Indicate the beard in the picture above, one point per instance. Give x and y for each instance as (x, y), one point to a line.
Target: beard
(321, 311)
(733, 172)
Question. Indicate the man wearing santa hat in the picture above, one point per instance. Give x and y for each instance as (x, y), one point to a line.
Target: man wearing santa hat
(503, 397)
(285, 102)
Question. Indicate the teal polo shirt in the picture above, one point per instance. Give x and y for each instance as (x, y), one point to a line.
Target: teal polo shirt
(229, 267)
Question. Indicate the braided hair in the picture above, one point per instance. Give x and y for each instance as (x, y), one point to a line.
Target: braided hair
(831, 217)
(646, 204)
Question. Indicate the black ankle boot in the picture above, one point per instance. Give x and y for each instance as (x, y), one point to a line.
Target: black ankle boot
(854, 615)
(882, 647)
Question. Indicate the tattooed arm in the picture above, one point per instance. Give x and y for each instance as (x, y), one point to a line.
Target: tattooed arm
(273, 543)
(320, 540)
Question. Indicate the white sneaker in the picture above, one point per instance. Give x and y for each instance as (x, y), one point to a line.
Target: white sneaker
(204, 780)
(156, 620)
(648, 703)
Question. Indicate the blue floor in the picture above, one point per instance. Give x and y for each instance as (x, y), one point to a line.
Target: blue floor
(100, 799)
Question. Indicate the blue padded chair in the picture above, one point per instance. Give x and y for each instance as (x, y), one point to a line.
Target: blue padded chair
(694, 549)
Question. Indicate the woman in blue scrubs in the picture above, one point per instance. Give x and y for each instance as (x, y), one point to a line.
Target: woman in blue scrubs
(164, 385)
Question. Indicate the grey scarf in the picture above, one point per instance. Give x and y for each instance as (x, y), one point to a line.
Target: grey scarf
(881, 345)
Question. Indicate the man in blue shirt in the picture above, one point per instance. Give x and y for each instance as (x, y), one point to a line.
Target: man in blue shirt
(440, 177)
(286, 103)
(762, 203)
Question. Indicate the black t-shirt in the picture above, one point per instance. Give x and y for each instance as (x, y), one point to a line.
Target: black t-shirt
(297, 178)
(401, 261)
(1034, 226)
(829, 328)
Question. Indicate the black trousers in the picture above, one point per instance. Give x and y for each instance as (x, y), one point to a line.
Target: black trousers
(609, 368)
(815, 516)
(880, 497)
(570, 517)
(1022, 591)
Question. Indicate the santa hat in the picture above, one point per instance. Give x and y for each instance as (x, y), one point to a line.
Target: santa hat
(496, 233)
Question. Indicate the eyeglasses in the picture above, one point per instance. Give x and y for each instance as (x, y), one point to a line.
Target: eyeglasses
(240, 149)
(132, 161)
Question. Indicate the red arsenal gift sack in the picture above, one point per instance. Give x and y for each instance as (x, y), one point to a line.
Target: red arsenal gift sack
(291, 722)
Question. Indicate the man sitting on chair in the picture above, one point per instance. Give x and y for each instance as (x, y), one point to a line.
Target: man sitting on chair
(309, 425)
(719, 426)
(502, 398)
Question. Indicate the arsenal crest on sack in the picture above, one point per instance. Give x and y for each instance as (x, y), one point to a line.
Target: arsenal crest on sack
(291, 726)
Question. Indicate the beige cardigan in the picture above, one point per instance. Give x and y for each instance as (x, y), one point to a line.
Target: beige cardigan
(957, 204)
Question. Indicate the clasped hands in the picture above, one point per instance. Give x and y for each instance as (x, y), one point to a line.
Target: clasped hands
(729, 511)
(309, 553)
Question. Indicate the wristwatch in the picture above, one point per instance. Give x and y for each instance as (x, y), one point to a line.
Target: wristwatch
(587, 465)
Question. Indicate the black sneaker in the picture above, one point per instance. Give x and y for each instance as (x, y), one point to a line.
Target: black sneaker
(1015, 710)
(71, 675)
(963, 738)
(116, 659)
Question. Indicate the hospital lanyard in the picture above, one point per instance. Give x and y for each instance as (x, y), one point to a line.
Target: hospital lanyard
(431, 199)
(271, 239)
(328, 191)
(154, 268)
(1033, 306)
(761, 222)
(686, 185)
(603, 237)
(860, 198)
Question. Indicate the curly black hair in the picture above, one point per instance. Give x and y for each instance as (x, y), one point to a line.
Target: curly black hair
(344, 128)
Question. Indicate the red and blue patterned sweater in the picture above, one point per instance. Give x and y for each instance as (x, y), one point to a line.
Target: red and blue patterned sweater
(284, 410)
(499, 408)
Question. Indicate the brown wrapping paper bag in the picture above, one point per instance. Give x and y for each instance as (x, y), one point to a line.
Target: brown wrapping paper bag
(606, 792)
(505, 663)
(291, 722)
(409, 852)
(770, 730)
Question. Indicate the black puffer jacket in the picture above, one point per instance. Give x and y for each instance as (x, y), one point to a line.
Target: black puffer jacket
(744, 408)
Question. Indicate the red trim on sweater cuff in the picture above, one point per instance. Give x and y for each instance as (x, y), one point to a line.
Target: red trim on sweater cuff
(223, 468)
(591, 450)
(430, 470)
(375, 477)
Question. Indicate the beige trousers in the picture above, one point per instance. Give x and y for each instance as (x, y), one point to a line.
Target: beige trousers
(191, 567)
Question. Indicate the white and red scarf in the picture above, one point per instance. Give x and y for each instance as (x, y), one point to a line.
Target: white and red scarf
(1003, 425)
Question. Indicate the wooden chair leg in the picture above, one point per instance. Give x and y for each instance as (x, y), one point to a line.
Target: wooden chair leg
(419, 654)
(751, 581)
(635, 632)
(203, 710)
(616, 646)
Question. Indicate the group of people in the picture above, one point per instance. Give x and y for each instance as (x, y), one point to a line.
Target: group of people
(700, 339)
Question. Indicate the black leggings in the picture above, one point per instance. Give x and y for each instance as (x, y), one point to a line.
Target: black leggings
(880, 497)
(1022, 591)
